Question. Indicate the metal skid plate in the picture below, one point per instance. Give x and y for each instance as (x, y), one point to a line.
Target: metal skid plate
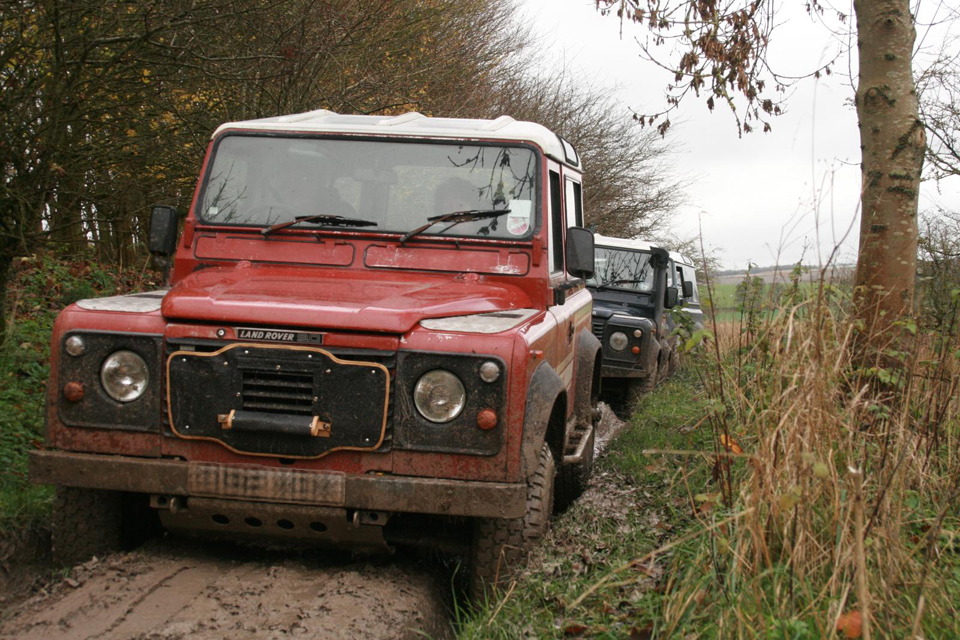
(314, 526)
(302, 384)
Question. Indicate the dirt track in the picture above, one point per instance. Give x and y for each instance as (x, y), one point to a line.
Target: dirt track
(180, 589)
(172, 589)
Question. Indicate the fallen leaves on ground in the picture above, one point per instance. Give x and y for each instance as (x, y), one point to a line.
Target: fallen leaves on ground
(730, 444)
(574, 629)
(642, 633)
(850, 624)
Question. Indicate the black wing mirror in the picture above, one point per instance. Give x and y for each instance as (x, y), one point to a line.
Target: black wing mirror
(163, 231)
(687, 289)
(579, 254)
(670, 298)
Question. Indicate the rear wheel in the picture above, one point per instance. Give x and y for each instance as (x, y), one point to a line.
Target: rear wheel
(501, 545)
(85, 523)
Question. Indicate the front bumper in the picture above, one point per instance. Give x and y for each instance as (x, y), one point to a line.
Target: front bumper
(399, 494)
(622, 371)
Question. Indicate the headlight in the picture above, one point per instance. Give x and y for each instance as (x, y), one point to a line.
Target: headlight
(489, 371)
(439, 396)
(75, 346)
(124, 376)
(618, 341)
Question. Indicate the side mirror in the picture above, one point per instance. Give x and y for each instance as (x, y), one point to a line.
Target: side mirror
(163, 231)
(670, 298)
(687, 289)
(580, 252)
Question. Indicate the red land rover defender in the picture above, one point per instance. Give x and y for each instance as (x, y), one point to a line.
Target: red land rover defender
(376, 333)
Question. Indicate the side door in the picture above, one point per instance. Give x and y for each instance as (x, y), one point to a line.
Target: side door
(571, 301)
(668, 324)
(691, 304)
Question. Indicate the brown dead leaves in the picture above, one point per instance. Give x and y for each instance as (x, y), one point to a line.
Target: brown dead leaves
(850, 624)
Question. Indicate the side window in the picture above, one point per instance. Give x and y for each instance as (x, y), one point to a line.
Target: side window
(691, 274)
(686, 274)
(556, 224)
(574, 204)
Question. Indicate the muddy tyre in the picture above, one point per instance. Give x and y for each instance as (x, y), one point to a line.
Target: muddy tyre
(639, 387)
(667, 369)
(501, 545)
(572, 479)
(85, 523)
(675, 360)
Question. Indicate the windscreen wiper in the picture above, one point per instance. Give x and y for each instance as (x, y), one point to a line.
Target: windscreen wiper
(320, 218)
(614, 283)
(456, 217)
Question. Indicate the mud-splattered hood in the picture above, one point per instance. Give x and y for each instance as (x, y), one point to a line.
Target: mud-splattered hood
(376, 301)
(608, 303)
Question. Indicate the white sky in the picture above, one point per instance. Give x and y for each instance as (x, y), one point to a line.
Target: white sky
(764, 197)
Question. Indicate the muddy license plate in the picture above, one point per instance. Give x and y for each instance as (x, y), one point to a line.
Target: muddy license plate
(268, 485)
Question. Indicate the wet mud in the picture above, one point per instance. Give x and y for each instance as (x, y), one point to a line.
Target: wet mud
(179, 588)
(172, 589)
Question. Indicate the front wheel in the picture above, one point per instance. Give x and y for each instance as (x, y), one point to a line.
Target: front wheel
(675, 363)
(86, 523)
(639, 387)
(501, 545)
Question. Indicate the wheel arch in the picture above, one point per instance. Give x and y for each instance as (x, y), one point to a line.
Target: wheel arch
(589, 368)
(546, 398)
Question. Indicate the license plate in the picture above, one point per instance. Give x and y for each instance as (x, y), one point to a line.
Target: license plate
(267, 485)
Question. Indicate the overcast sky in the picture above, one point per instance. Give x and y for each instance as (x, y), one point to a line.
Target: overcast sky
(763, 197)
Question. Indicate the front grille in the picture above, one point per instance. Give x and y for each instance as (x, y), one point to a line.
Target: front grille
(598, 326)
(278, 392)
(268, 385)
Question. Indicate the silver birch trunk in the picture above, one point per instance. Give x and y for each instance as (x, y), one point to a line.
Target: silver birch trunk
(892, 145)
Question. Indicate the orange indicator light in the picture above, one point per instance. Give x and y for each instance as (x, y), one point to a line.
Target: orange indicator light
(487, 419)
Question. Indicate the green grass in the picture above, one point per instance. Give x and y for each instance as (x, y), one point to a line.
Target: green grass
(727, 304)
(40, 288)
(642, 501)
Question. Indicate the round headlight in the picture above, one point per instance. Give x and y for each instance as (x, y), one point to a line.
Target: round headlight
(439, 396)
(75, 345)
(489, 371)
(618, 341)
(124, 376)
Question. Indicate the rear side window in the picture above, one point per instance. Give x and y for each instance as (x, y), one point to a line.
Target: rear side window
(574, 204)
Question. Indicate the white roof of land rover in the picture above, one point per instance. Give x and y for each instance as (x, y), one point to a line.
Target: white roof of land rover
(621, 243)
(634, 245)
(414, 124)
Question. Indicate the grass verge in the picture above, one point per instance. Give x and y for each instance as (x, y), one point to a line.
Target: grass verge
(40, 288)
(800, 481)
(637, 502)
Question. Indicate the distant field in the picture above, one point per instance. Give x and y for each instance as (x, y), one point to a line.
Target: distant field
(725, 295)
(783, 275)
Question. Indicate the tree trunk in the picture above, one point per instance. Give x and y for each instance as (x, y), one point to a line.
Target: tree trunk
(7, 251)
(892, 145)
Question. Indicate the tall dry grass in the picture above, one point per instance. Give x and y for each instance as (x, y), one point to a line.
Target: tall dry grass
(841, 473)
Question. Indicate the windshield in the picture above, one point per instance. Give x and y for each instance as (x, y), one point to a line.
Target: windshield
(261, 180)
(622, 269)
